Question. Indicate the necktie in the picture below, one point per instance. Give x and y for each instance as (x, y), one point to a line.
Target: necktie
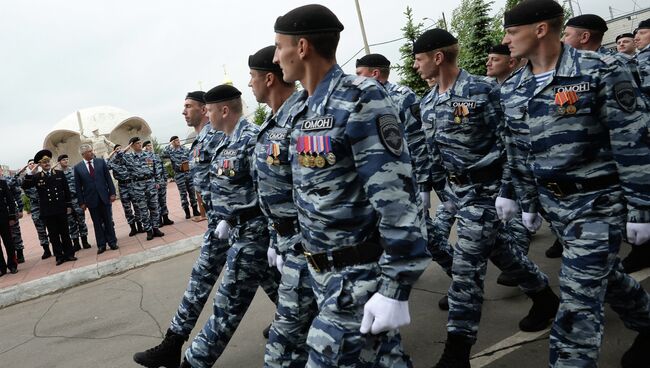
(91, 169)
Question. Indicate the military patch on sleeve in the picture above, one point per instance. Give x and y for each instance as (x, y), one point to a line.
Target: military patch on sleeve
(625, 96)
(415, 110)
(390, 134)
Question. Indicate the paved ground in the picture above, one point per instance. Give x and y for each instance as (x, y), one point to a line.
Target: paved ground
(102, 323)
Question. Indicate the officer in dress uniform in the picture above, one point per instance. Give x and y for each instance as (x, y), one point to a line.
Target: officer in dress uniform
(7, 219)
(575, 135)
(234, 200)
(77, 219)
(55, 204)
(124, 181)
(179, 157)
(464, 125)
(161, 180)
(362, 228)
(212, 256)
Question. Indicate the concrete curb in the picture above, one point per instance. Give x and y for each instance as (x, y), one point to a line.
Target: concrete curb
(63, 280)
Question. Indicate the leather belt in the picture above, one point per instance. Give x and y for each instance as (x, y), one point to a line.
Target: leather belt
(143, 178)
(483, 175)
(367, 252)
(564, 188)
(123, 182)
(245, 216)
(286, 226)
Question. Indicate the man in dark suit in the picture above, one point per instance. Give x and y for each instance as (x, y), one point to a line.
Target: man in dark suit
(56, 203)
(95, 191)
(7, 219)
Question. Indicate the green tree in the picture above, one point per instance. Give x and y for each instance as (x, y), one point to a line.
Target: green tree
(405, 69)
(480, 39)
(261, 112)
(511, 4)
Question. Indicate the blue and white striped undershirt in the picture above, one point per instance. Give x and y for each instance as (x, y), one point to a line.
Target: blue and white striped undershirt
(541, 78)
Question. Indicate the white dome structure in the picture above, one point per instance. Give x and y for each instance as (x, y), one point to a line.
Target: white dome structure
(94, 124)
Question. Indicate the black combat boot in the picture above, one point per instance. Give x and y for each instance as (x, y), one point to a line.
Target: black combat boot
(162, 221)
(84, 242)
(456, 354)
(638, 259)
(157, 232)
(506, 279)
(187, 212)
(20, 257)
(638, 354)
(76, 246)
(166, 220)
(149, 234)
(555, 251)
(443, 303)
(196, 211)
(46, 253)
(166, 354)
(542, 313)
(133, 230)
(138, 225)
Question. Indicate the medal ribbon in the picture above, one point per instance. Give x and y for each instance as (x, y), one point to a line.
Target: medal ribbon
(276, 150)
(328, 144)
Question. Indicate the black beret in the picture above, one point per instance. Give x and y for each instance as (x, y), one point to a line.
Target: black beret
(263, 60)
(220, 93)
(500, 49)
(61, 157)
(588, 21)
(42, 154)
(624, 35)
(433, 39)
(134, 139)
(308, 19)
(644, 24)
(145, 143)
(115, 147)
(173, 137)
(196, 96)
(532, 11)
(30, 160)
(374, 61)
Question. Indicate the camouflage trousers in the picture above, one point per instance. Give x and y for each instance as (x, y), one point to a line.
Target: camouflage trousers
(591, 228)
(334, 339)
(41, 231)
(246, 269)
(478, 240)
(185, 189)
(145, 198)
(77, 221)
(202, 279)
(162, 198)
(16, 236)
(287, 347)
(126, 198)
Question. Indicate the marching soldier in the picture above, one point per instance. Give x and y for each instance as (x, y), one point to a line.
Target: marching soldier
(161, 181)
(55, 204)
(77, 219)
(179, 157)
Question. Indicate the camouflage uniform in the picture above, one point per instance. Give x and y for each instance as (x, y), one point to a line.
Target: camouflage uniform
(234, 199)
(643, 61)
(183, 179)
(161, 180)
(35, 213)
(16, 236)
(464, 127)
(77, 219)
(296, 303)
(361, 199)
(142, 171)
(567, 166)
(124, 184)
(201, 152)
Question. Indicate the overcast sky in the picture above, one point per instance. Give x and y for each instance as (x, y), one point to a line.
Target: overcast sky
(143, 56)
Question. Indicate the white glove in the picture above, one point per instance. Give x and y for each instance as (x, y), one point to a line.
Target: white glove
(426, 200)
(279, 263)
(223, 229)
(532, 221)
(271, 256)
(450, 207)
(382, 314)
(506, 208)
(637, 234)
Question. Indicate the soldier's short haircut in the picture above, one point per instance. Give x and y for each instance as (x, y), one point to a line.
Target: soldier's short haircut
(556, 25)
(235, 105)
(324, 44)
(85, 147)
(450, 53)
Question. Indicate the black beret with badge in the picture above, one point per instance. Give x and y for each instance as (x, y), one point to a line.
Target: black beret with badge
(221, 93)
(146, 143)
(43, 155)
(644, 24)
(61, 157)
(499, 49)
(308, 19)
(624, 35)
(263, 60)
(373, 61)
(532, 11)
(134, 139)
(433, 39)
(196, 96)
(174, 137)
(591, 22)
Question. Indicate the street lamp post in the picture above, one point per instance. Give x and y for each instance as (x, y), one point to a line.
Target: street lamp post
(363, 29)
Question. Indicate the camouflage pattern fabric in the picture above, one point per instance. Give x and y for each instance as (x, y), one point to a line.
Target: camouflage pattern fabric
(36, 217)
(161, 179)
(183, 179)
(202, 151)
(642, 59)
(604, 137)
(76, 219)
(14, 188)
(142, 171)
(121, 174)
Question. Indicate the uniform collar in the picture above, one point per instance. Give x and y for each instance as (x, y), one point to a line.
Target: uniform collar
(567, 66)
(460, 88)
(324, 89)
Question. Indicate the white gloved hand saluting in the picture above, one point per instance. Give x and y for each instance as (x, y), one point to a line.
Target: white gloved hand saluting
(532, 221)
(382, 314)
(506, 208)
(271, 256)
(637, 233)
(279, 263)
(223, 229)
